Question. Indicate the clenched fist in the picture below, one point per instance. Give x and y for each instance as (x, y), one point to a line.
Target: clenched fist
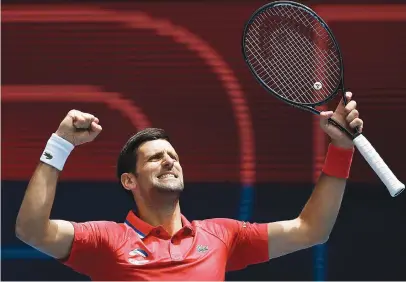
(78, 127)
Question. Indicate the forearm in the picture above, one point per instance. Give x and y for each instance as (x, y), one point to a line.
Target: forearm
(321, 210)
(34, 214)
(315, 223)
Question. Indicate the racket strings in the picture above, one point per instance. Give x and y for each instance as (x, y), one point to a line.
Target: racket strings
(282, 66)
(323, 36)
(315, 27)
(297, 62)
(308, 53)
(281, 80)
(291, 51)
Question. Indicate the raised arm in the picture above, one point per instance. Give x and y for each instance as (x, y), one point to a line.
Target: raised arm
(33, 224)
(315, 223)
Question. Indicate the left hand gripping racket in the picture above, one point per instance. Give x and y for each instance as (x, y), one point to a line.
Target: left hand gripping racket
(294, 55)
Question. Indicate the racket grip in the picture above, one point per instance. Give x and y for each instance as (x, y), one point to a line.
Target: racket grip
(394, 186)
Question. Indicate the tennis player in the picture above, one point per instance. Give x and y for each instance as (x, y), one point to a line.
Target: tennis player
(157, 242)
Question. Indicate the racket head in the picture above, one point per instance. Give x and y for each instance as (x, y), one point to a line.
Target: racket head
(271, 51)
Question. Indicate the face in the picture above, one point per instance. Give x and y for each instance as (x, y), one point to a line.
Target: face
(158, 167)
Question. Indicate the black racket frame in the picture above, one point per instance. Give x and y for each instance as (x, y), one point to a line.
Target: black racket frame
(304, 106)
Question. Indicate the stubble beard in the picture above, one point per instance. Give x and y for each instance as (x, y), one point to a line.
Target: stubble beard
(170, 187)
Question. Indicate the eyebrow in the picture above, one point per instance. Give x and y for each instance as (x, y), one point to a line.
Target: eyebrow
(171, 153)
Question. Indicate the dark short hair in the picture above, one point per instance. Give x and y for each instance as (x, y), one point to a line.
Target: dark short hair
(127, 160)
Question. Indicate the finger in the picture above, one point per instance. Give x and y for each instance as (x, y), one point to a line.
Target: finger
(95, 130)
(84, 120)
(96, 120)
(350, 106)
(348, 96)
(96, 127)
(78, 121)
(352, 115)
(324, 116)
(74, 114)
(357, 123)
(341, 106)
(88, 117)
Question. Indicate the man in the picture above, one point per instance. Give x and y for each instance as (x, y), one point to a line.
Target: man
(158, 242)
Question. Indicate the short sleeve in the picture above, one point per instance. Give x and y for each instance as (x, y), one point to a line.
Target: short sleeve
(93, 246)
(247, 243)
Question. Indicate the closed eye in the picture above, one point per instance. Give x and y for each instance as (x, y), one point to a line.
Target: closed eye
(155, 157)
(159, 156)
(173, 156)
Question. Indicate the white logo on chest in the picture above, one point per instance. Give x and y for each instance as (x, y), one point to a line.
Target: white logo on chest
(138, 257)
(202, 249)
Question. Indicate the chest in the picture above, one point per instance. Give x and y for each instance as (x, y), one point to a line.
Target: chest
(200, 257)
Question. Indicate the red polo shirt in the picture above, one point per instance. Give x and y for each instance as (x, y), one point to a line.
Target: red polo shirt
(135, 250)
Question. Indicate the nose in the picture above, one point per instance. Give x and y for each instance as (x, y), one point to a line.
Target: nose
(168, 161)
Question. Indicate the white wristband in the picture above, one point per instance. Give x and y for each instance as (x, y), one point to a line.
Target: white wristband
(56, 152)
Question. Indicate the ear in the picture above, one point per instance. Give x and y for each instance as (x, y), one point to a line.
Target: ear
(129, 181)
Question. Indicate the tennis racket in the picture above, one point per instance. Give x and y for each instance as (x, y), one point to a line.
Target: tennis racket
(294, 55)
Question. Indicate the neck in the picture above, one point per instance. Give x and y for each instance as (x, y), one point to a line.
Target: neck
(164, 212)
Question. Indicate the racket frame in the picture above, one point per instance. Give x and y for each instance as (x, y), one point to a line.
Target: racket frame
(304, 106)
(394, 186)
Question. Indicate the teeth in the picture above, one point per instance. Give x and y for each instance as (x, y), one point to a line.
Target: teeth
(167, 176)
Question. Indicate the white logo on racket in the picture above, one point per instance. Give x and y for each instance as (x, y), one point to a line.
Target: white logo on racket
(318, 85)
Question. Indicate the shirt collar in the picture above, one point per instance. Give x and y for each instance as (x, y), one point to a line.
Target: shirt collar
(143, 229)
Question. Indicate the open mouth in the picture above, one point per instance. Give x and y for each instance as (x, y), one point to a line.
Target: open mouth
(167, 176)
